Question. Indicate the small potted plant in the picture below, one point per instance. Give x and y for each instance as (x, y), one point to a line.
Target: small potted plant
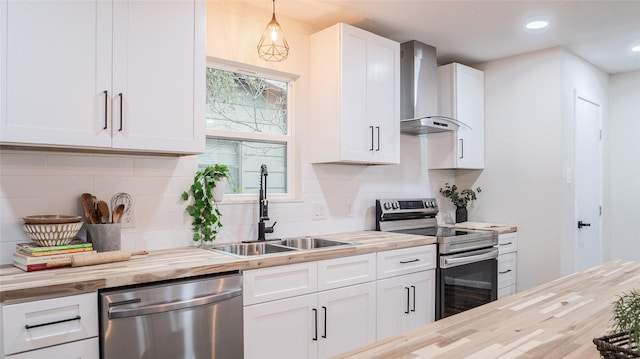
(204, 209)
(460, 199)
(624, 340)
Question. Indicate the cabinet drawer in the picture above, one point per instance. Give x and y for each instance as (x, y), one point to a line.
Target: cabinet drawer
(265, 284)
(42, 323)
(506, 291)
(508, 242)
(507, 270)
(340, 272)
(406, 260)
(84, 349)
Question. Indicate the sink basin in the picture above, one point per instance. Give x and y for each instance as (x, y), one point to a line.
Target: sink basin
(251, 249)
(311, 243)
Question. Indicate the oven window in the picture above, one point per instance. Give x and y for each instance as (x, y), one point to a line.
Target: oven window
(467, 286)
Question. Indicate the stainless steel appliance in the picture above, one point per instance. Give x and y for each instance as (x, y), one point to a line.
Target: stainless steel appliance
(467, 271)
(191, 318)
(419, 92)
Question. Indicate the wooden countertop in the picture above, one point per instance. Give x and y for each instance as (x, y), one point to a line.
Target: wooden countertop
(558, 319)
(479, 226)
(16, 285)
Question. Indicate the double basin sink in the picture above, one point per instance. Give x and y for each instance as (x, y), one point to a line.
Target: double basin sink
(277, 246)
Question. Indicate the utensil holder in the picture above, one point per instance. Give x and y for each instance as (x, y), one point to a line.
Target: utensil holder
(105, 237)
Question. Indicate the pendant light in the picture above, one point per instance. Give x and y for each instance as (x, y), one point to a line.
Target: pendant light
(273, 46)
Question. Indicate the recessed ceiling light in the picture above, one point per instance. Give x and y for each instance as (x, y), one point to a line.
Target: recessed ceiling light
(537, 24)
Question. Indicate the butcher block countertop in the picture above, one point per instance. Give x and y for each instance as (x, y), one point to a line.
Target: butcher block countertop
(16, 285)
(558, 319)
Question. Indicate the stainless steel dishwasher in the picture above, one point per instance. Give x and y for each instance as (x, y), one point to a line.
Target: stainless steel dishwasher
(193, 318)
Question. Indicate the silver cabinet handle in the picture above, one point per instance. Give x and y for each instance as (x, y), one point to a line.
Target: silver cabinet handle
(166, 307)
(458, 260)
(461, 148)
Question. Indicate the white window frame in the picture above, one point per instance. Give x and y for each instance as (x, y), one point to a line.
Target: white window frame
(293, 192)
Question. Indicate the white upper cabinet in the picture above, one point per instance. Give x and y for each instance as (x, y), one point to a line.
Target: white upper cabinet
(355, 97)
(460, 96)
(102, 74)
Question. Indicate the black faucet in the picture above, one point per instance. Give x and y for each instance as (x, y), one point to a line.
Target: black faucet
(263, 205)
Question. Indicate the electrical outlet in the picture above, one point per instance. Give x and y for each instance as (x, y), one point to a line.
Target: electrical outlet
(317, 211)
(349, 208)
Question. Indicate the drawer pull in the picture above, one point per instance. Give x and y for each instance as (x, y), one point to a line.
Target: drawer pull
(27, 326)
(411, 261)
(507, 271)
(506, 244)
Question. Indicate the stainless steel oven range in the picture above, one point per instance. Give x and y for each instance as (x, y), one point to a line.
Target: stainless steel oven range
(467, 272)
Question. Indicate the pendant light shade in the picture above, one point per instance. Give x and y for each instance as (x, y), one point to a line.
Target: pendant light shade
(273, 46)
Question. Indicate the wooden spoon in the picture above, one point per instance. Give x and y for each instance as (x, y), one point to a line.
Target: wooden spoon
(117, 213)
(103, 208)
(88, 207)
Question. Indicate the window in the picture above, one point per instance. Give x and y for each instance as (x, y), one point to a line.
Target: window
(248, 123)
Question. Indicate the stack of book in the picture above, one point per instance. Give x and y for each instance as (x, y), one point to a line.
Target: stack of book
(30, 257)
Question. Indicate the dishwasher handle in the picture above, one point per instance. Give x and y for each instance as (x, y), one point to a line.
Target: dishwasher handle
(167, 307)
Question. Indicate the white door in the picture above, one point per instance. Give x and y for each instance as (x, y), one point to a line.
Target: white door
(422, 292)
(588, 182)
(393, 306)
(346, 319)
(281, 329)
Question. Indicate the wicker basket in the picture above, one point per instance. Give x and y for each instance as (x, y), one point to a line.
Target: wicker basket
(52, 234)
(616, 346)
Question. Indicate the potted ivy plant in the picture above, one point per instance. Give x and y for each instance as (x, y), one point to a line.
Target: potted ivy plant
(204, 208)
(460, 199)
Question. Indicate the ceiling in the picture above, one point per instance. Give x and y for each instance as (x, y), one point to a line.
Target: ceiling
(601, 32)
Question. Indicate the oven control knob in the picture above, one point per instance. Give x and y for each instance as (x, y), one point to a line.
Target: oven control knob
(387, 205)
(395, 205)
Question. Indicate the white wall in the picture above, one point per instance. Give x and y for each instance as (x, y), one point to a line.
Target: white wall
(529, 143)
(622, 137)
(523, 143)
(34, 182)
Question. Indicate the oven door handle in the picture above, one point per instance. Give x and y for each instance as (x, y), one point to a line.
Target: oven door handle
(466, 258)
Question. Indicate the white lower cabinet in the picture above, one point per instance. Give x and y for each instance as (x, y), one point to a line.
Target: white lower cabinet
(62, 327)
(281, 322)
(507, 264)
(405, 290)
(405, 302)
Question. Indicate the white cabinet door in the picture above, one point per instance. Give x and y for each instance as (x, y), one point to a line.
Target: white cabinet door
(355, 113)
(507, 269)
(460, 96)
(159, 69)
(282, 329)
(63, 89)
(356, 132)
(56, 65)
(405, 302)
(347, 319)
(383, 107)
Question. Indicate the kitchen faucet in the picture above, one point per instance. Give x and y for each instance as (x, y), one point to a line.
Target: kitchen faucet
(263, 205)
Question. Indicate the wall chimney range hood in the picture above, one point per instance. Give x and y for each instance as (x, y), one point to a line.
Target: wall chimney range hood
(419, 92)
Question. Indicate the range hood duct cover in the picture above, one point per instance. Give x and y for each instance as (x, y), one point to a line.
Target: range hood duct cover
(419, 91)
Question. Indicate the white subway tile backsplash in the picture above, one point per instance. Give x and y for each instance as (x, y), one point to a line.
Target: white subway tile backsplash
(23, 163)
(34, 182)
